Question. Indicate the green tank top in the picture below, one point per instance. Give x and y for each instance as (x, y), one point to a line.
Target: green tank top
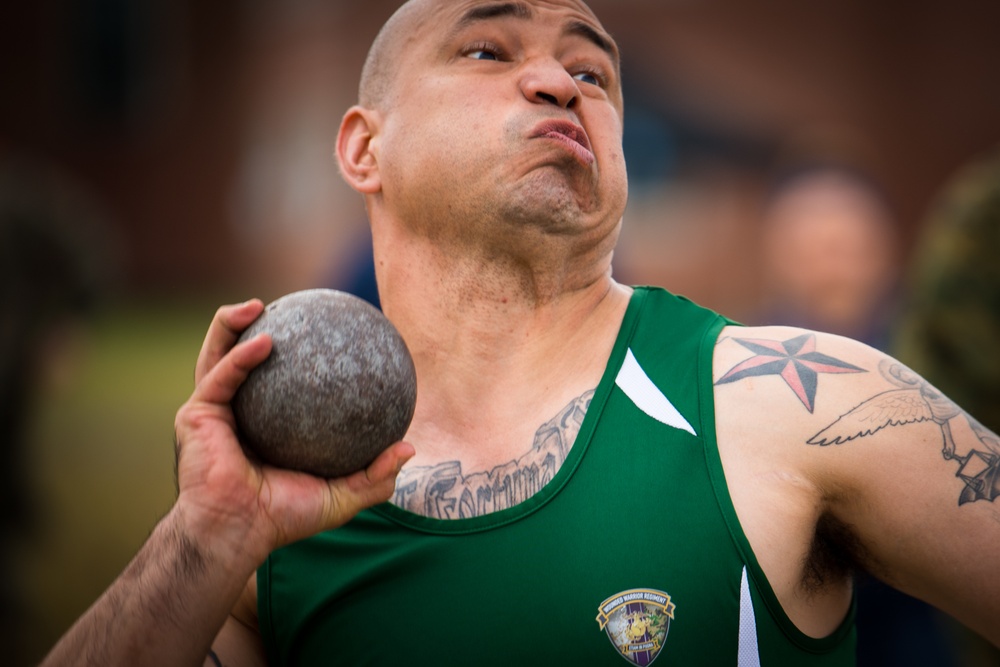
(632, 551)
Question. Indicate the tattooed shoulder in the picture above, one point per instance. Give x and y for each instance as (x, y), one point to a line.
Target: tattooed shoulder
(914, 400)
(445, 491)
(796, 361)
(910, 399)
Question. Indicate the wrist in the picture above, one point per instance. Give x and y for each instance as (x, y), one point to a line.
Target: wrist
(207, 539)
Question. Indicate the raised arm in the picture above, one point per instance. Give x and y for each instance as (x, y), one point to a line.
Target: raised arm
(170, 602)
(920, 479)
(824, 431)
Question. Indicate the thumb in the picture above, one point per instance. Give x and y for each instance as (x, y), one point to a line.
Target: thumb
(375, 484)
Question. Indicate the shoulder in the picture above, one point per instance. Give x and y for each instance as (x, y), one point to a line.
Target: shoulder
(782, 394)
(793, 372)
(848, 432)
(832, 405)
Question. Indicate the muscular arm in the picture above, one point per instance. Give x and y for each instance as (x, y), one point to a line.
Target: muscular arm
(172, 599)
(820, 430)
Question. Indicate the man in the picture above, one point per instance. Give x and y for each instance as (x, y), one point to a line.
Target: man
(830, 253)
(580, 450)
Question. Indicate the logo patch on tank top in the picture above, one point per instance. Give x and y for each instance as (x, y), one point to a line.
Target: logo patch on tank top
(637, 622)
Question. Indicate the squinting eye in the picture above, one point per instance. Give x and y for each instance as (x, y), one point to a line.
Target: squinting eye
(482, 54)
(587, 77)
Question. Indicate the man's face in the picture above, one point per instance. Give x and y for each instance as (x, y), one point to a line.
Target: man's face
(505, 111)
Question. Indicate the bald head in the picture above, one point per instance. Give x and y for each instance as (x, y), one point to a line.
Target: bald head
(404, 27)
(378, 72)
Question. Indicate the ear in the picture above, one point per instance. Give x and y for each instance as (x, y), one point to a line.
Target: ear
(356, 150)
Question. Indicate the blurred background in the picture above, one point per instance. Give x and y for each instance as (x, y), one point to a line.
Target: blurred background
(788, 162)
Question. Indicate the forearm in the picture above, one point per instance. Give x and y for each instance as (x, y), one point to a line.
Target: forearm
(171, 601)
(164, 609)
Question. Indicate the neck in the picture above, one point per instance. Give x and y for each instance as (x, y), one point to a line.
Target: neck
(495, 337)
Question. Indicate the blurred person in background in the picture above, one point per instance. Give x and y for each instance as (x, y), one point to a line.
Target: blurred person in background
(950, 321)
(55, 267)
(830, 253)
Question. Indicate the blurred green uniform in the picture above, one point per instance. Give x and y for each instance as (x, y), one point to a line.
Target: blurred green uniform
(950, 329)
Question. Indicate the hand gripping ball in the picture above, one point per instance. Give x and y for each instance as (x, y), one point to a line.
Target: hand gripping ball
(337, 389)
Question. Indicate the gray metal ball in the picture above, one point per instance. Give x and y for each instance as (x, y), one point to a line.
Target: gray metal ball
(338, 388)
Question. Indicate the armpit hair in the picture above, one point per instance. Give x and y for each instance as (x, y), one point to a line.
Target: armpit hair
(836, 555)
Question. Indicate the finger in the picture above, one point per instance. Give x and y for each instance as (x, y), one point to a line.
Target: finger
(388, 464)
(227, 325)
(219, 385)
(368, 487)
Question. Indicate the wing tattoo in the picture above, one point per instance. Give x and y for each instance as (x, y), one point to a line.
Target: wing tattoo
(917, 401)
(891, 408)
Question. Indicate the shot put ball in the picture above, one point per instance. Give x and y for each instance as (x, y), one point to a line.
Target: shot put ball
(337, 389)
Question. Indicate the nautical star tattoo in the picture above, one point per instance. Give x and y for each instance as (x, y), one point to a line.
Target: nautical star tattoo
(798, 363)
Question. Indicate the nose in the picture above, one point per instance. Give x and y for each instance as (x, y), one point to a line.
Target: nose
(546, 81)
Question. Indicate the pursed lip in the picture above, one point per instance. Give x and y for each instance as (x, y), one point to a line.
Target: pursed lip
(569, 134)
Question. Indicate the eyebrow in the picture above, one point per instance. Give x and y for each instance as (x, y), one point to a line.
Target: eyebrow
(588, 32)
(519, 10)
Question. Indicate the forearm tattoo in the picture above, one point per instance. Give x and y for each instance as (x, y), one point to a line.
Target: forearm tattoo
(443, 491)
(798, 363)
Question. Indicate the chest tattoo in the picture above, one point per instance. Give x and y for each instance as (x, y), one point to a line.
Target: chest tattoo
(444, 491)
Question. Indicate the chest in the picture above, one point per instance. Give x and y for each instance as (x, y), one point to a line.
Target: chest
(484, 482)
(613, 552)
